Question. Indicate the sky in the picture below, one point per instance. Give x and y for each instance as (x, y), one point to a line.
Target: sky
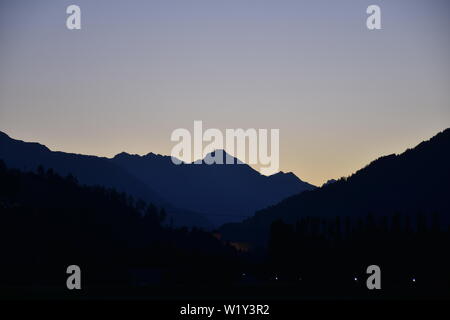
(340, 94)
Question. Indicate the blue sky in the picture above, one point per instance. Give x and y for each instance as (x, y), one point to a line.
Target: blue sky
(340, 94)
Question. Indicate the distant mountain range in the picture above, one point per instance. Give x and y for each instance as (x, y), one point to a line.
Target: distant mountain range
(223, 192)
(193, 194)
(414, 182)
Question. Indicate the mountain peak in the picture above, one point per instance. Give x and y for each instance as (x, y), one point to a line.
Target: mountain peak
(7, 140)
(291, 178)
(123, 154)
(286, 174)
(226, 157)
(152, 155)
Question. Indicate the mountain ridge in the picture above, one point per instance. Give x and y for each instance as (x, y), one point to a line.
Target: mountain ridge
(90, 170)
(220, 189)
(413, 182)
(217, 193)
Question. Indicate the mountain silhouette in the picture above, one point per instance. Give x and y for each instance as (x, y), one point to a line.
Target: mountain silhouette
(414, 182)
(48, 221)
(223, 192)
(330, 181)
(91, 171)
(193, 194)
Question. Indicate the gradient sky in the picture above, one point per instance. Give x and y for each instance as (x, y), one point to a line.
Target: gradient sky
(340, 94)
